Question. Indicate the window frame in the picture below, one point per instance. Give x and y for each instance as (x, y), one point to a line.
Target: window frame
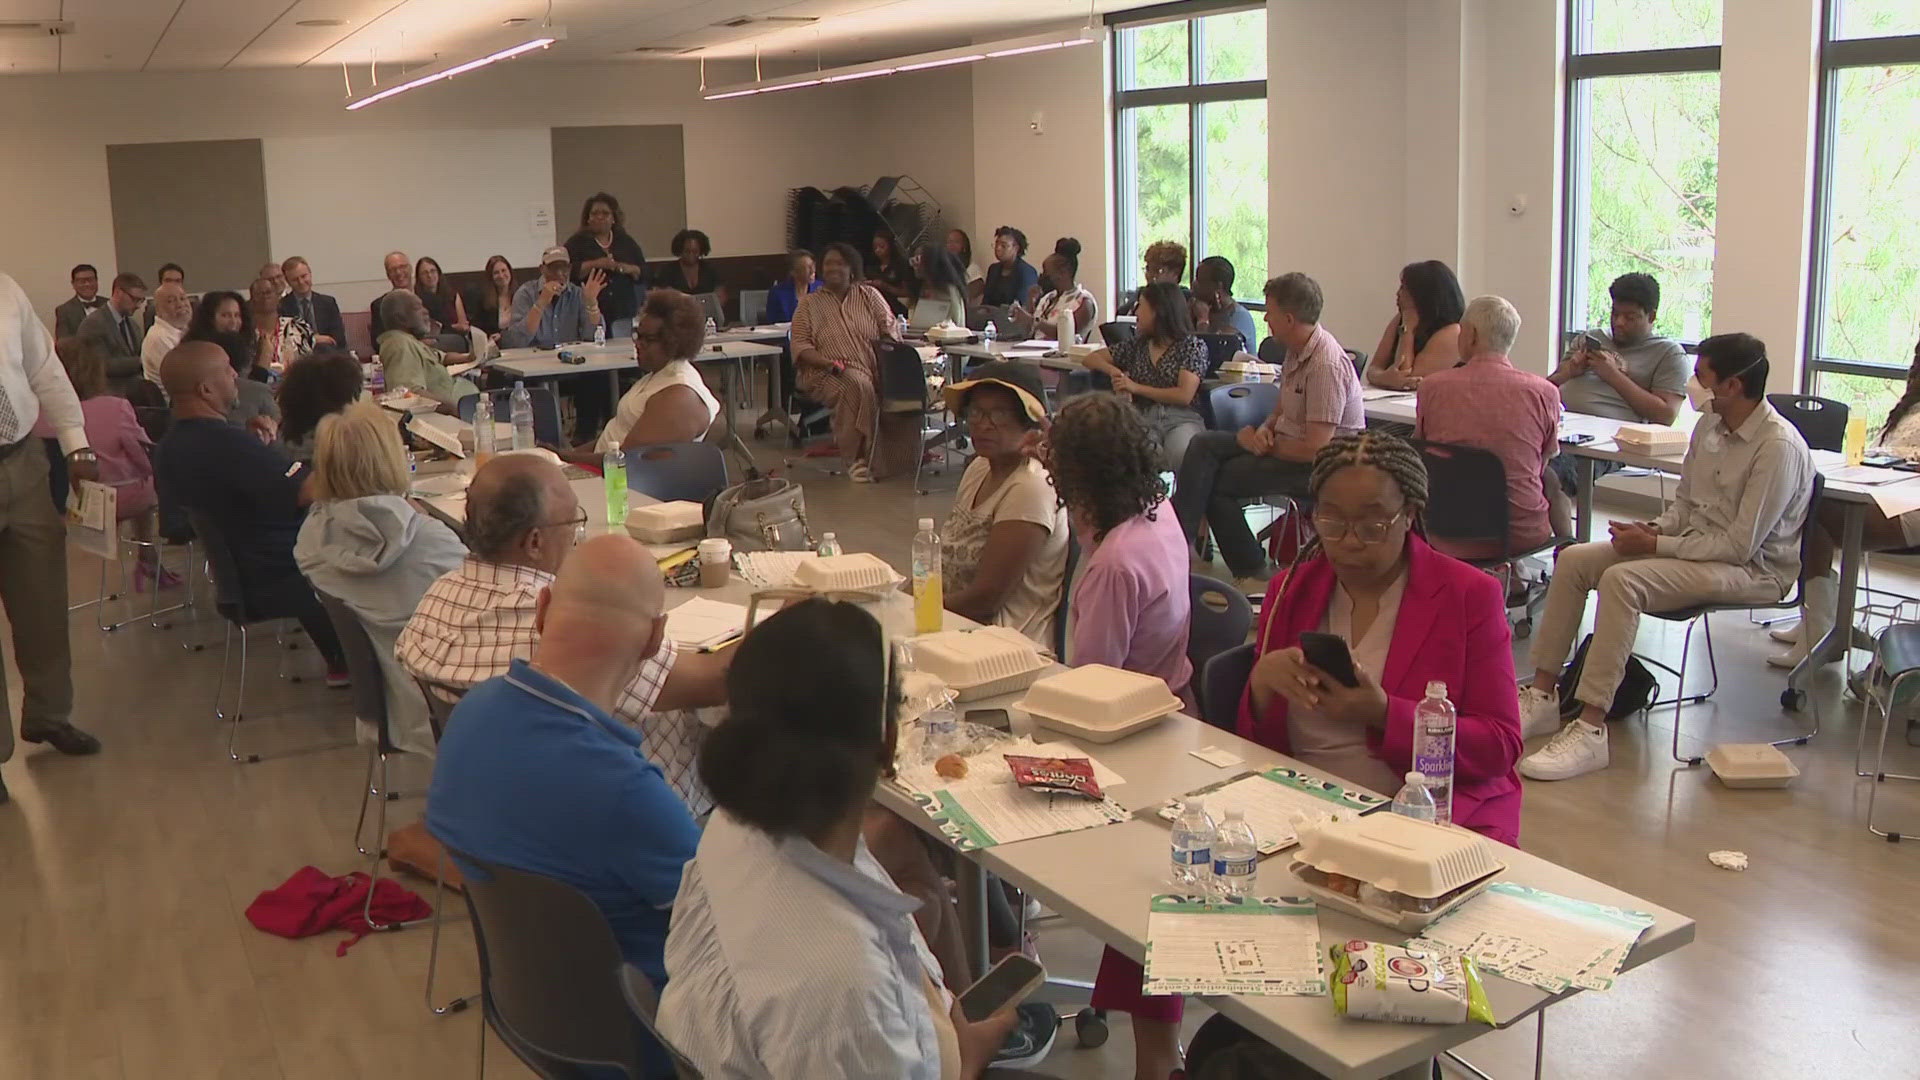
(1580, 67)
(1838, 54)
(1195, 95)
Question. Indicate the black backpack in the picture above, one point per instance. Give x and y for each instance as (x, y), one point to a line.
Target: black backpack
(1638, 688)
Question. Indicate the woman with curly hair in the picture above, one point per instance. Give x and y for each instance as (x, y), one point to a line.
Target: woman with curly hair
(312, 389)
(602, 243)
(1410, 616)
(1129, 605)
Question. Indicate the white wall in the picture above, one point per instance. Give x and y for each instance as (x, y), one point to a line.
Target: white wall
(418, 165)
(1057, 182)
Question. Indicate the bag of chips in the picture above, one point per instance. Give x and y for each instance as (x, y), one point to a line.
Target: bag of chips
(1067, 776)
(1376, 981)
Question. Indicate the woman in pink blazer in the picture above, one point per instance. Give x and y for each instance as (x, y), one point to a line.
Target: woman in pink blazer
(1410, 616)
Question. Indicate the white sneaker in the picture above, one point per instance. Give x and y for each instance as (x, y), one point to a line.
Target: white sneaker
(1578, 749)
(1786, 635)
(1539, 713)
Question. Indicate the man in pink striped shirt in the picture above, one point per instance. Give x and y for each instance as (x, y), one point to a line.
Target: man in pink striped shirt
(1487, 403)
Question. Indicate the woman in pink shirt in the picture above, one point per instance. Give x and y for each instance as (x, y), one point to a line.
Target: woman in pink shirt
(121, 444)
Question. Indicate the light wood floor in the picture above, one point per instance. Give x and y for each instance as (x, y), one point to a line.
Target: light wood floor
(124, 953)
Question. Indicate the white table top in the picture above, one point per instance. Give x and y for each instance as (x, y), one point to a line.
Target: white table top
(768, 332)
(590, 490)
(1035, 351)
(545, 363)
(1400, 409)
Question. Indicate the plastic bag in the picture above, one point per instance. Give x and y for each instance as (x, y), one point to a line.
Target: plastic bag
(1376, 981)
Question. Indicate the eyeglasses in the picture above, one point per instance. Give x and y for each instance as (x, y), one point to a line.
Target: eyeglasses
(646, 336)
(578, 521)
(998, 417)
(1367, 532)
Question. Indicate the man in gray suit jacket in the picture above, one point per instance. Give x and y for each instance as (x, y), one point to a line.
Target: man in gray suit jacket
(114, 331)
(321, 311)
(84, 302)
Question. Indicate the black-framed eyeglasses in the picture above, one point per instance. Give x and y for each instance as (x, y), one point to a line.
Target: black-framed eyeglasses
(578, 521)
(1367, 532)
(998, 416)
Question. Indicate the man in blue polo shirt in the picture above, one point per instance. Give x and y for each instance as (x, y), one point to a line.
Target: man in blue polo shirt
(536, 774)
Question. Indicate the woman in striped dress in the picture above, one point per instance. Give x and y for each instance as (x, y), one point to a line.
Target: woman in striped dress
(834, 331)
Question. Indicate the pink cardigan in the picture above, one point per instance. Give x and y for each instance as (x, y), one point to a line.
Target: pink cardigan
(1452, 627)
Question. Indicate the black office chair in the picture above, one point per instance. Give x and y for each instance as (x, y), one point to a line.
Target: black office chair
(370, 706)
(1271, 352)
(1699, 615)
(1221, 619)
(902, 391)
(1221, 683)
(670, 472)
(1822, 422)
(1113, 333)
(1468, 511)
(549, 973)
(242, 611)
(546, 411)
(1359, 360)
(1246, 404)
(645, 1004)
(1220, 349)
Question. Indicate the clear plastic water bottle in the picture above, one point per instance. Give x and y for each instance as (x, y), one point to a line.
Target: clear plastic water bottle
(1236, 857)
(1433, 728)
(483, 447)
(613, 467)
(1193, 839)
(928, 605)
(900, 326)
(599, 335)
(990, 334)
(1415, 800)
(520, 408)
(712, 327)
(942, 725)
(828, 545)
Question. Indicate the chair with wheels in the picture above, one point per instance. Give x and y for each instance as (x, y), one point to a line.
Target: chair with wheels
(1700, 615)
(546, 411)
(1822, 422)
(645, 1004)
(369, 707)
(1222, 681)
(1245, 404)
(242, 611)
(690, 471)
(549, 973)
(1471, 515)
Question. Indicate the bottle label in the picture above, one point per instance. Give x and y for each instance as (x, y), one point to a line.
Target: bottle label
(1193, 857)
(1234, 868)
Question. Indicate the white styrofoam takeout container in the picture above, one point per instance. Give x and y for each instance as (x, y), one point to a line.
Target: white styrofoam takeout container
(1398, 854)
(1751, 765)
(858, 571)
(1099, 703)
(983, 663)
(667, 522)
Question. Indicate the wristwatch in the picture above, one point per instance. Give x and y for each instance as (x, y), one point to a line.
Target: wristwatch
(86, 454)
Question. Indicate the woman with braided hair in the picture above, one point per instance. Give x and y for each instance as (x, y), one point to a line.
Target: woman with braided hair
(1410, 616)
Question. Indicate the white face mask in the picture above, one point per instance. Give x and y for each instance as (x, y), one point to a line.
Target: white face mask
(1699, 396)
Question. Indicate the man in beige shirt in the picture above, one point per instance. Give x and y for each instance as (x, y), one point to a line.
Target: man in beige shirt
(1730, 536)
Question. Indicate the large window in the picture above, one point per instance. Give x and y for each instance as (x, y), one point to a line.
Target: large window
(1643, 151)
(1190, 112)
(1865, 312)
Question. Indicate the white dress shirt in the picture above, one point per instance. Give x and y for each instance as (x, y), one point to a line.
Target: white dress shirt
(161, 339)
(32, 379)
(784, 962)
(1742, 497)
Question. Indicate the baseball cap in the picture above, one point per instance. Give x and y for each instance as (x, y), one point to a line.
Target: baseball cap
(1022, 379)
(555, 255)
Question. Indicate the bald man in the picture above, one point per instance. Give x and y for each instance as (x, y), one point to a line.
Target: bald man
(523, 522)
(399, 270)
(246, 488)
(535, 773)
(171, 313)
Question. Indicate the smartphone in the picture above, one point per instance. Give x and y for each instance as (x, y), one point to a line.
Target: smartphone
(1329, 654)
(1577, 438)
(993, 718)
(1008, 984)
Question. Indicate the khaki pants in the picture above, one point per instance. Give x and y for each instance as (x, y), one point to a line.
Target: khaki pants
(33, 587)
(1627, 587)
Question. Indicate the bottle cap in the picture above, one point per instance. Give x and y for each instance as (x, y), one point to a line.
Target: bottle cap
(1197, 804)
(826, 536)
(1436, 688)
(521, 384)
(1417, 777)
(926, 524)
(1236, 815)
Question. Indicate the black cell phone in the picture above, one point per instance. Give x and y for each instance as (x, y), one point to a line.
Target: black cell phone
(1329, 654)
(993, 718)
(1577, 438)
(1009, 983)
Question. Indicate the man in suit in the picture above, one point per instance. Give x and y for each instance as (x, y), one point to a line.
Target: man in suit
(322, 312)
(115, 331)
(86, 300)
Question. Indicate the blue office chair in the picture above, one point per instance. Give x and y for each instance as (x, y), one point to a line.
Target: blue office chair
(546, 411)
(1221, 683)
(1239, 405)
(694, 472)
(1221, 620)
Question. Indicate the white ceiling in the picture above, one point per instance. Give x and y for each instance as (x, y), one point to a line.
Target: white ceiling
(204, 35)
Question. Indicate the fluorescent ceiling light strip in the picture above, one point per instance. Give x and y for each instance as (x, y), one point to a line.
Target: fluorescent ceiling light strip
(547, 36)
(965, 54)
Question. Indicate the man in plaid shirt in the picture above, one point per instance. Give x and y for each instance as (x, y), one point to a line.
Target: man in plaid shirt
(522, 521)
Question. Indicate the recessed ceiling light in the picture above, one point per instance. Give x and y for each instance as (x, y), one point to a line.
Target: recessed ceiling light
(321, 22)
